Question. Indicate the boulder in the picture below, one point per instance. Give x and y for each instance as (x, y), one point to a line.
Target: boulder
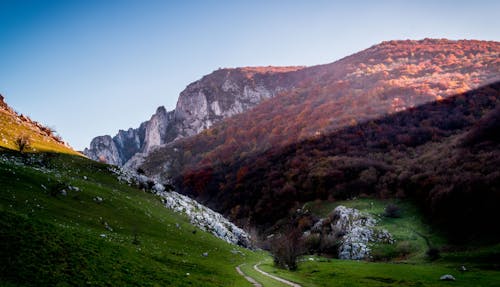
(447, 277)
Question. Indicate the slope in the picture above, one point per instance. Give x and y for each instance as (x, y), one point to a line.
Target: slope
(441, 154)
(14, 126)
(66, 220)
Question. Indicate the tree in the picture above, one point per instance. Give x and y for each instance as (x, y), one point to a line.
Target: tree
(286, 249)
(23, 143)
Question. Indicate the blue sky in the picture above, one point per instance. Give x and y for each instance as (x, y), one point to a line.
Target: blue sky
(91, 67)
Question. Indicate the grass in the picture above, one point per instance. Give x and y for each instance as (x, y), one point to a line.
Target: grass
(332, 272)
(51, 239)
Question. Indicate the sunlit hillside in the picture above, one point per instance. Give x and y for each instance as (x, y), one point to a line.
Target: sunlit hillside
(17, 127)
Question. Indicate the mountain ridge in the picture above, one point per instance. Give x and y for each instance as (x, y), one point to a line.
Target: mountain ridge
(218, 95)
(382, 79)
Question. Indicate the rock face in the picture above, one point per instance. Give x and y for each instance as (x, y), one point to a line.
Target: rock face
(104, 149)
(221, 94)
(123, 146)
(227, 92)
(355, 230)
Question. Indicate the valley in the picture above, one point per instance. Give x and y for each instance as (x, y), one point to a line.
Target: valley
(380, 169)
(49, 238)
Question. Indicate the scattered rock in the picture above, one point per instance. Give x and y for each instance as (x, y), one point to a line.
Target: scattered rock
(205, 254)
(63, 192)
(98, 199)
(463, 268)
(85, 177)
(106, 225)
(103, 235)
(447, 277)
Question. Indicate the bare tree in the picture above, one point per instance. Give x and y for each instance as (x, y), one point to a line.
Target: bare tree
(287, 248)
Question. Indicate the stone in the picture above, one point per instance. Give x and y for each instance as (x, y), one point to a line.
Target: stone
(98, 199)
(106, 225)
(205, 254)
(447, 277)
(63, 192)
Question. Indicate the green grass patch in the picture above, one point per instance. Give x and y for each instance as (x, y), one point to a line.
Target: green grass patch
(333, 272)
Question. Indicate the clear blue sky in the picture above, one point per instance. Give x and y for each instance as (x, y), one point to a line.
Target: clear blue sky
(89, 67)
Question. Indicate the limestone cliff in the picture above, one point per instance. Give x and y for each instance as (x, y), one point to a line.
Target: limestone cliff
(216, 96)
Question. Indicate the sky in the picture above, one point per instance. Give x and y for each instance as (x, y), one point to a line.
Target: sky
(92, 67)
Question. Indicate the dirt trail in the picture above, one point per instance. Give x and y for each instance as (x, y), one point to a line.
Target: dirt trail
(289, 283)
(249, 279)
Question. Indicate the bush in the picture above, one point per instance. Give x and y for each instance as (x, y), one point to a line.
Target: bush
(23, 143)
(392, 210)
(433, 253)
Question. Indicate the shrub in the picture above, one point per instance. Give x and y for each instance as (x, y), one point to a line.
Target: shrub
(23, 143)
(392, 210)
(433, 253)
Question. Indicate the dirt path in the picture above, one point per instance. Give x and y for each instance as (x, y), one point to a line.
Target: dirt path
(249, 279)
(289, 283)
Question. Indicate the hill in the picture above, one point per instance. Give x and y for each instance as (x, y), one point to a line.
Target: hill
(67, 220)
(16, 126)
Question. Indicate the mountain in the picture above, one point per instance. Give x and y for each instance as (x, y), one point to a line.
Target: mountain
(235, 167)
(19, 129)
(216, 96)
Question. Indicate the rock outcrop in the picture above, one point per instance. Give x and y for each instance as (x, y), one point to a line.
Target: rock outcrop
(198, 214)
(354, 230)
(227, 92)
(219, 95)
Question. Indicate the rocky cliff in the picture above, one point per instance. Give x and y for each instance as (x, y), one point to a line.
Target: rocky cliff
(216, 96)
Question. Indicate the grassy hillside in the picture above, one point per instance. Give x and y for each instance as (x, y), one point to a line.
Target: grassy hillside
(51, 237)
(41, 139)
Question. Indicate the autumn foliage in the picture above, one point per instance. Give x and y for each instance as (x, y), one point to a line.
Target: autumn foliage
(387, 121)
